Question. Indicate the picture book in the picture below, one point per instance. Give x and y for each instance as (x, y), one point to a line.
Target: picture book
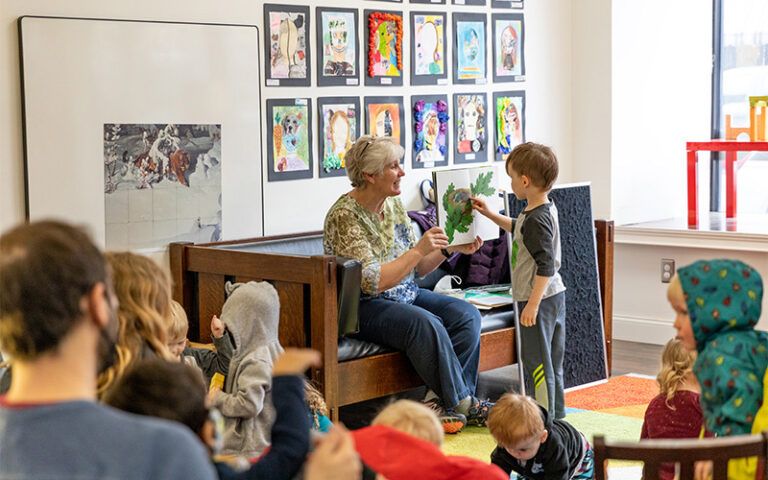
(454, 189)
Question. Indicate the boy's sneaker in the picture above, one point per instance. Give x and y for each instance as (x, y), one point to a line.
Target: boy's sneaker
(478, 412)
(452, 421)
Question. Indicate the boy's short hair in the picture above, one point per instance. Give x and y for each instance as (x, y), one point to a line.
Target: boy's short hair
(179, 324)
(412, 418)
(536, 161)
(45, 270)
(515, 418)
(158, 388)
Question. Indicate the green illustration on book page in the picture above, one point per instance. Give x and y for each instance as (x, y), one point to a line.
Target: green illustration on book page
(456, 202)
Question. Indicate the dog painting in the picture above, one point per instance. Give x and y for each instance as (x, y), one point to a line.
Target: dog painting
(290, 140)
(162, 183)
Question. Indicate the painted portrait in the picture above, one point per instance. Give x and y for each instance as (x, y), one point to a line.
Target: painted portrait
(428, 44)
(430, 130)
(470, 50)
(471, 123)
(339, 42)
(509, 123)
(384, 120)
(339, 130)
(385, 43)
(508, 46)
(288, 49)
(162, 184)
(290, 138)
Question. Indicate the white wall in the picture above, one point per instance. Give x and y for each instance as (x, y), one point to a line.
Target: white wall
(300, 205)
(662, 57)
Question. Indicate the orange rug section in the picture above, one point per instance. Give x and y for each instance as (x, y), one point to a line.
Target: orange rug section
(619, 392)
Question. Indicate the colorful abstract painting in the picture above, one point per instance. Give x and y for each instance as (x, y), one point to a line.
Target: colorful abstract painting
(384, 120)
(429, 43)
(430, 131)
(339, 128)
(471, 121)
(470, 49)
(510, 121)
(384, 48)
(338, 43)
(287, 33)
(162, 184)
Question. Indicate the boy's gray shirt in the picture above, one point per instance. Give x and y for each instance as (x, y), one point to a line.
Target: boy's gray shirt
(536, 251)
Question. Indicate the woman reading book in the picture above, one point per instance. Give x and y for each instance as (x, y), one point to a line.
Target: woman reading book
(439, 334)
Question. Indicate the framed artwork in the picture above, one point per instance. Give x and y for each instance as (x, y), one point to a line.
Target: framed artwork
(337, 40)
(287, 60)
(432, 2)
(508, 47)
(510, 121)
(289, 138)
(339, 128)
(480, 3)
(431, 145)
(428, 54)
(383, 48)
(161, 166)
(470, 111)
(470, 62)
(516, 4)
(384, 117)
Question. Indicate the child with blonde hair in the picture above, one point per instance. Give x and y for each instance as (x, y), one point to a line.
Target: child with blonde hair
(676, 411)
(143, 290)
(534, 444)
(206, 360)
(413, 418)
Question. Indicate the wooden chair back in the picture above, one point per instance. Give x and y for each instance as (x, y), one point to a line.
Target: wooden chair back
(683, 452)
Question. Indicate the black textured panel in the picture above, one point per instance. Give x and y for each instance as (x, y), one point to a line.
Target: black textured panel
(584, 338)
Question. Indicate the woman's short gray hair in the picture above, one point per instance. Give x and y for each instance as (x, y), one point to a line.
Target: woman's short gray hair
(371, 155)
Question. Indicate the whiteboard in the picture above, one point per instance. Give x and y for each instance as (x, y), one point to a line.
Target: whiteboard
(81, 74)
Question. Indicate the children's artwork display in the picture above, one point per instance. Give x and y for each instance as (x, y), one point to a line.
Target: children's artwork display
(286, 45)
(454, 189)
(469, 54)
(470, 112)
(162, 184)
(516, 4)
(508, 47)
(480, 3)
(339, 128)
(384, 117)
(289, 139)
(337, 40)
(383, 48)
(510, 121)
(431, 2)
(431, 144)
(428, 58)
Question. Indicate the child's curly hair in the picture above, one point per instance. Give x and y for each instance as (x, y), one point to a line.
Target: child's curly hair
(315, 402)
(676, 364)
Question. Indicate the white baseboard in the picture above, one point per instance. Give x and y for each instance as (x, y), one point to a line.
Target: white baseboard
(642, 330)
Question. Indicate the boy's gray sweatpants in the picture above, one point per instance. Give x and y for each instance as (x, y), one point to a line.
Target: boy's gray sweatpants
(543, 348)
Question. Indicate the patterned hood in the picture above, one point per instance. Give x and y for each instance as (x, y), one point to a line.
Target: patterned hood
(722, 296)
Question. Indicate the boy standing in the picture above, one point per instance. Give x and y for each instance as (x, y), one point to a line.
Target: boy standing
(535, 445)
(536, 283)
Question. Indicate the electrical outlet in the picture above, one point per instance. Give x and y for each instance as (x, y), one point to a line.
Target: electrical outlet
(667, 270)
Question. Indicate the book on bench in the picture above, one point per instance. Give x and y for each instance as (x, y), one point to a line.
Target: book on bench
(453, 190)
(488, 299)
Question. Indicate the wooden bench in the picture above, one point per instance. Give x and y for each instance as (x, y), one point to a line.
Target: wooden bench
(309, 310)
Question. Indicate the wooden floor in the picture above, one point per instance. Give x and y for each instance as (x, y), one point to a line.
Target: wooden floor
(633, 357)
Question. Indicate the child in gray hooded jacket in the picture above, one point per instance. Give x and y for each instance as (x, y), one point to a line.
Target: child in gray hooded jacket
(251, 313)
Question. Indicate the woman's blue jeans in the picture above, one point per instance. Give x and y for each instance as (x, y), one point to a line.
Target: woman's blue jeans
(439, 334)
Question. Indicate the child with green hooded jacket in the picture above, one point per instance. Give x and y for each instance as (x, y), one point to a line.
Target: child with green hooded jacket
(717, 305)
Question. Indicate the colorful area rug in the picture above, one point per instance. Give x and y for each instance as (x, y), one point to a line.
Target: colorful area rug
(614, 409)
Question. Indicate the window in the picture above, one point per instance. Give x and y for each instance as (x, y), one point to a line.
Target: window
(741, 71)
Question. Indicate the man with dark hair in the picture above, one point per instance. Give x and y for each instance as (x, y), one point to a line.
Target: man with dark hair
(58, 323)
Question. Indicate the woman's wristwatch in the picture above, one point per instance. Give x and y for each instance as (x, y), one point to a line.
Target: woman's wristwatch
(445, 252)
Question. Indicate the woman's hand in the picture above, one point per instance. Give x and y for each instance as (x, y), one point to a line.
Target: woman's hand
(433, 239)
(468, 248)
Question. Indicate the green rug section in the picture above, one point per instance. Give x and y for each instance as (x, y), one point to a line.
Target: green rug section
(477, 442)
